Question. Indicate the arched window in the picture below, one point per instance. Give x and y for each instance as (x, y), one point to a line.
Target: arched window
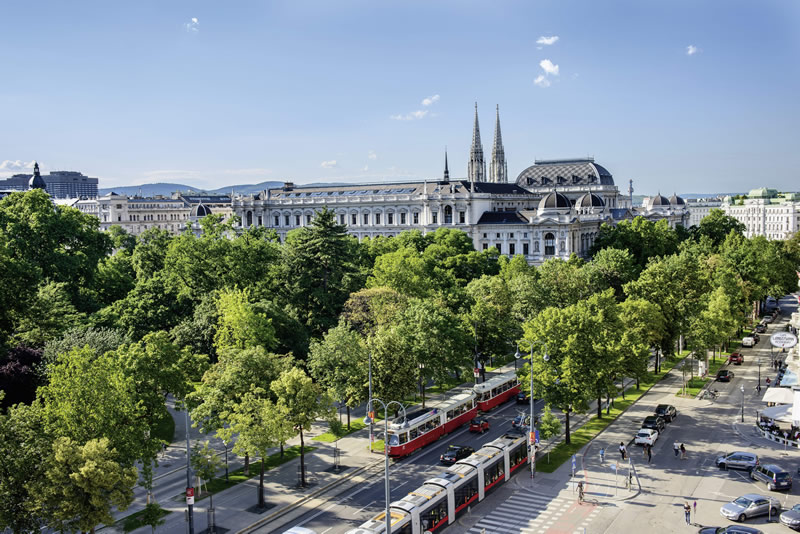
(549, 244)
(448, 215)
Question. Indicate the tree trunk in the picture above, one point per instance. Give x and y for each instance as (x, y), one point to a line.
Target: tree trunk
(423, 394)
(348, 417)
(281, 449)
(608, 402)
(261, 485)
(247, 463)
(566, 426)
(302, 460)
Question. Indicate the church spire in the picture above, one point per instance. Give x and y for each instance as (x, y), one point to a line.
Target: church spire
(497, 167)
(446, 170)
(476, 170)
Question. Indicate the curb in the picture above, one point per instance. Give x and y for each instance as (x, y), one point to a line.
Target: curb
(296, 504)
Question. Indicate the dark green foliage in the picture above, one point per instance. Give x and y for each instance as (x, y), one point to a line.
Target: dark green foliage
(19, 376)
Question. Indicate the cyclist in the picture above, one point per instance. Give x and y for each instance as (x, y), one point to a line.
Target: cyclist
(580, 491)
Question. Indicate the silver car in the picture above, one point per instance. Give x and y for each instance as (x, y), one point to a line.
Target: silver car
(750, 505)
(738, 460)
(791, 518)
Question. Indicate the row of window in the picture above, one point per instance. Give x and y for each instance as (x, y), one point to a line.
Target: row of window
(288, 219)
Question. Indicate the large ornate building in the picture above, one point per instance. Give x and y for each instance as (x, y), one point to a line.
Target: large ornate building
(766, 212)
(553, 209)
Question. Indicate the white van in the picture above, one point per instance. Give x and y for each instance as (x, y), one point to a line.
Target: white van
(748, 342)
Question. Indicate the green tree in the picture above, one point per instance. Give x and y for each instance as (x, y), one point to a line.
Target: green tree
(320, 271)
(304, 402)
(562, 283)
(240, 325)
(643, 324)
(150, 252)
(405, 271)
(260, 425)
(490, 316)
(393, 375)
(121, 239)
(99, 340)
(50, 314)
(716, 226)
(205, 463)
(367, 309)
(115, 278)
(611, 268)
(643, 238)
(339, 362)
(82, 483)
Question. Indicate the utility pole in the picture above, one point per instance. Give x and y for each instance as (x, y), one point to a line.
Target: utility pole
(189, 488)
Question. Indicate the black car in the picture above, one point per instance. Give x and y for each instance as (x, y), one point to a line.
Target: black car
(455, 453)
(761, 329)
(522, 397)
(723, 375)
(731, 529)
(654, 422)
(521, 421)
(667, 411)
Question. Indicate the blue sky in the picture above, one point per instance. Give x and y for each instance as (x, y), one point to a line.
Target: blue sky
(215, 93)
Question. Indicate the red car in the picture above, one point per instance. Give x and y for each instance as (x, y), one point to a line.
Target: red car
(479, 425)
(736, 358)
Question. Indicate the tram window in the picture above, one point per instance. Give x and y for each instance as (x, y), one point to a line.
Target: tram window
(451, 414)
(466, 492)
(491, 474)
(435, 515)
(414, 433)
(393, 440)
(403, 438)
(518, 455)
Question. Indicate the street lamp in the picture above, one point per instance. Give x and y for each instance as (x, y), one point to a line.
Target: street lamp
(226, 459)
(517, 356)
(759, 371)
(742, 389)
(546, 357)
(369, 420)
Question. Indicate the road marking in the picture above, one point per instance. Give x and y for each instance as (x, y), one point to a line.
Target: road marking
(317, 515)
(326, 530)
(365, 506)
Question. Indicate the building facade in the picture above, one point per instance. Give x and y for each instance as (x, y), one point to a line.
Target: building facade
(766, 212)
(700, 208)
(58, 184)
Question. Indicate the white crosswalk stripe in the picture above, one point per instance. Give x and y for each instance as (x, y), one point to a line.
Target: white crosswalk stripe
(524, 513)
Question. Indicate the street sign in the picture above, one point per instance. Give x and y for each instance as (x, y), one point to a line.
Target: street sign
(189, 495)
(573, 462)
(537, 436)
(783, 340)
(476, 372)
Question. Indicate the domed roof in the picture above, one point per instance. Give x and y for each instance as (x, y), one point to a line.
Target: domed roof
(36, 181)
(554, 200)
(589, 200)
(676, 200)
(659, 200)
(200, 211)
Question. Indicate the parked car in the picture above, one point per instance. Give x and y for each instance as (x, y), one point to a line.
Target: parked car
(479, 425)
(750, 505)
(455, 453)
(773, 476)
(755, 336)
(748, 342)
(730, 529)
(522, 397)
(655, 422)
(791, 517)
(761, 328)
(667, 411)
(738, 460)
(768, 319)
(723, 375)
(521, 421)
(646, 435)
(736, 358)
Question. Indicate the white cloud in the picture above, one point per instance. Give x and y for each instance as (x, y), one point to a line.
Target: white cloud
(9, 165)
(193, 26)
(414, 115)
(430, 100)
(541, 81)
(691, 50)
(547, 40)
(372, 155)
(328, 164)
(549, 67)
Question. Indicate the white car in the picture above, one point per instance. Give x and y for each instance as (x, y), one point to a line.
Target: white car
(646, 436)
(748, 342)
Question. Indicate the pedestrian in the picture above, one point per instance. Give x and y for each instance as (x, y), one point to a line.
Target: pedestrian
(768, 381)
(687, 512)
(649, 453)
(695, 510)
(676, 448)
(622, 450)
(758, 387)
(683, 452)
(602, 455)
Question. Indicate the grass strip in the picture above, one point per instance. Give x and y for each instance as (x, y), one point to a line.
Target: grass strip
(583, 435)
(134, 521)
(696, 383)
(328, 437)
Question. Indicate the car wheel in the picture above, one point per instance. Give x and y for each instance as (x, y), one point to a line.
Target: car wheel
(741, 518)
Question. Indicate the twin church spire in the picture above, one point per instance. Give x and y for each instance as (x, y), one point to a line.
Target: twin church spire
(476, 169)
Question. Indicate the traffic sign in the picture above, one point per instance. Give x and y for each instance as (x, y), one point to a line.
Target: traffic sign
(537, 436)
(783, 340)
(189, 495)
(573, 462)
(476, 372)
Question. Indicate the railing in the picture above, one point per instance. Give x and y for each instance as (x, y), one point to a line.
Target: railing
(778, 439)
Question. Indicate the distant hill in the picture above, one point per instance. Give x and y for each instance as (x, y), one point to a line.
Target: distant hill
(166, 189)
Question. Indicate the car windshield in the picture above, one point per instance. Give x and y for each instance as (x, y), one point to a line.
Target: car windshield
(782, 476)
(453, 448)
(661, 408)
(743, 502)
(644, 434)
(796, 507)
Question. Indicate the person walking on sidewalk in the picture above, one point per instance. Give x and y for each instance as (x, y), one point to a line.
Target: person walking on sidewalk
(676, 448)
(622, 450)
(687, 513)
(602, 455)
(649, 453)
(683, 452)
(695, 510)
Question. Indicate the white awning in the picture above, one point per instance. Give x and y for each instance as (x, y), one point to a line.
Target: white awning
(779, 396)
(782, 413)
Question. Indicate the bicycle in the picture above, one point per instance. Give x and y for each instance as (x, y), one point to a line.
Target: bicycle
(580, 492)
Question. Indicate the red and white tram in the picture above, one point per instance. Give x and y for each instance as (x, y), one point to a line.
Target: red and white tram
(429, 425)
(441, 500)
(496, 390)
